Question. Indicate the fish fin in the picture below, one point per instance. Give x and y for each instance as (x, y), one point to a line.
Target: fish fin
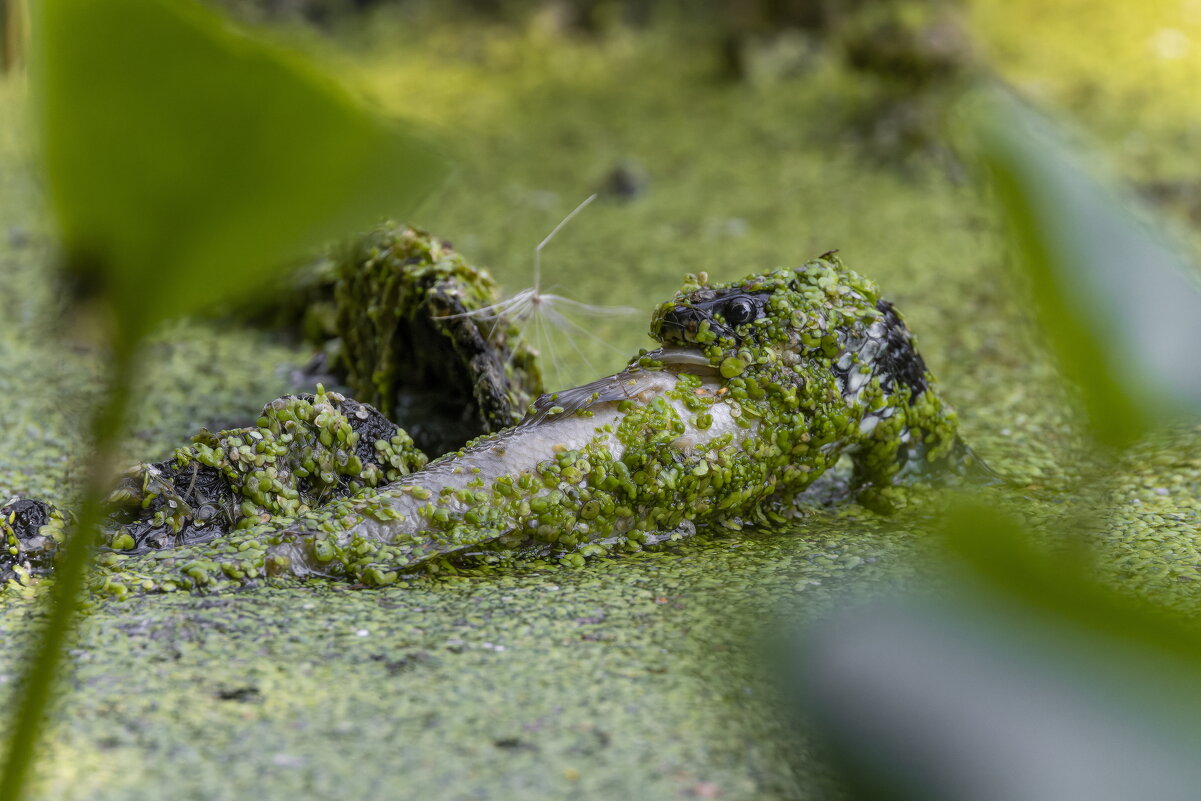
(618, 387)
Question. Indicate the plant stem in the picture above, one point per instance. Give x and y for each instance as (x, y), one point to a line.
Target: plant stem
(12, 34)
(70, 571)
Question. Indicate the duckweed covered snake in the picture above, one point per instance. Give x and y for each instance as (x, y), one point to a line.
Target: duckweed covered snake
(759, 387)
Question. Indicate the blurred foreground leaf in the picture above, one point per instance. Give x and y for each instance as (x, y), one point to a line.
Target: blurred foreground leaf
(185, 160)
(1021, 682)
(1119, 303)
(991, 552)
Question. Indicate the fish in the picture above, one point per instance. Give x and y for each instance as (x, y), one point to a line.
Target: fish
(759, 387)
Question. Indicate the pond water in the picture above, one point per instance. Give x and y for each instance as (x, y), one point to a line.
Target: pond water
(639, 676)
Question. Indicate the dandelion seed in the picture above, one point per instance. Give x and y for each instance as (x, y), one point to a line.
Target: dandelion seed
(544, 314)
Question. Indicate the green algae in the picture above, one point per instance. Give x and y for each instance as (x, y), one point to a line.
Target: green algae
(396, 297)
(826, 346)
(304, 451)
(397, 314)
(826, 368)
(601, 690)
(562, 677)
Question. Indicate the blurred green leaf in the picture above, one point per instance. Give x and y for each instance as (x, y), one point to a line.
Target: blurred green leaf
(185, 160)
(969, 701)
(1119, 303)
(1020, 679)
(991, 551)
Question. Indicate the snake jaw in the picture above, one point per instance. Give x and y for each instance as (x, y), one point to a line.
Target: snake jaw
(709, 316)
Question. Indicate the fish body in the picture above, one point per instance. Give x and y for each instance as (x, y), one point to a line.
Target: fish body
(612, 464)
(761, 386)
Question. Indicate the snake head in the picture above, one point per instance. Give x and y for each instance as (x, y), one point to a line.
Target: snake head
(710, 316)
(812, 314)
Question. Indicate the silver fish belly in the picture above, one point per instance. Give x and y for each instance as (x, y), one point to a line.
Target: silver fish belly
(575, 473)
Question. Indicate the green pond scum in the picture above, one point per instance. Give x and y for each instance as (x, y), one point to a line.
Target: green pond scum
(387, 310)
(636, 675)
(761, 386)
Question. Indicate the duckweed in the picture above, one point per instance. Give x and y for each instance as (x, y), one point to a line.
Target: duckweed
(389, 311)
(805, 365)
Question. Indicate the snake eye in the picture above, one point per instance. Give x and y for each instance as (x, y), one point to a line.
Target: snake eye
(739, 311)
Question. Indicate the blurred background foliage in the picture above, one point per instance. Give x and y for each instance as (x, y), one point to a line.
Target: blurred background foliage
(1055, 654)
